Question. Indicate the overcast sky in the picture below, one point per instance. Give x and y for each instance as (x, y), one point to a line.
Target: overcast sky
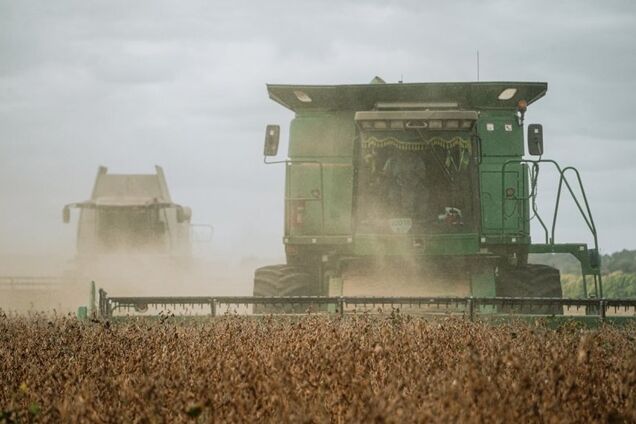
(182, 84)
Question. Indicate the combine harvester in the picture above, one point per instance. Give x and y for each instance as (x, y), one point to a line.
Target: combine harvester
(130, 234)
(415, 196)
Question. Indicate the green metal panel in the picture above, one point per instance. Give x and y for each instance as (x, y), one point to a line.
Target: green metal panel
(500, 134)
(304, 200)
(493, 194)
(502, 140)
(322, 135)
(323, 190)
(338, 183)
(320, 174)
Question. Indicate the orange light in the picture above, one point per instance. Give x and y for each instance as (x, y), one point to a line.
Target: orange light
(522, 105)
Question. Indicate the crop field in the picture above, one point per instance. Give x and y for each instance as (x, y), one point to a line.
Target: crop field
(385, 368)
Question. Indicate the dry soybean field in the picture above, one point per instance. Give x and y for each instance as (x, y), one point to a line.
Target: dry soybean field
(315, 369)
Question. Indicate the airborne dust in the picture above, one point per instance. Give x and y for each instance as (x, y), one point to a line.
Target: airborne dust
(59, 284)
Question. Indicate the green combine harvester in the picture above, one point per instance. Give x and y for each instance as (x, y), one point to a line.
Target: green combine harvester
(129, 234)
(416, 196)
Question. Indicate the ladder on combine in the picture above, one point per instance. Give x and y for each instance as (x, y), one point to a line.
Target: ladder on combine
(588, 258)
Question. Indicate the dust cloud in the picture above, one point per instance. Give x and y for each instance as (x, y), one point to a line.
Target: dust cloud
(59, 285)
(131, 240)
(406, 277)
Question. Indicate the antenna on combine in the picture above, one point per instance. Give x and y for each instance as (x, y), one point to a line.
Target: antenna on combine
(478, 65)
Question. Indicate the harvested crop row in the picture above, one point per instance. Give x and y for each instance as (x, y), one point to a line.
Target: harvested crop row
(316, 369)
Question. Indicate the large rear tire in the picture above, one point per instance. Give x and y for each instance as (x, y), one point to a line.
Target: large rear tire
(531, 280)
(285, 280)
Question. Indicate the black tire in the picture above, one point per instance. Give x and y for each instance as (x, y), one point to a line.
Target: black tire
(284, 280)
(531, 280)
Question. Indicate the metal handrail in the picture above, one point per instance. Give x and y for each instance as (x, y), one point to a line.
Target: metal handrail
(590, 221)
(587, 214)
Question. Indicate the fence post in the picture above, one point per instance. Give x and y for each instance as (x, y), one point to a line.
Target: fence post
(213, 304)
(341, 305)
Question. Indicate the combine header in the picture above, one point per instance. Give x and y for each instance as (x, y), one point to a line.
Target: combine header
(587, 311)
(416, 196)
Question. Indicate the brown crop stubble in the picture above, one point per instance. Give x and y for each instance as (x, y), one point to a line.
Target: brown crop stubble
(315, 369)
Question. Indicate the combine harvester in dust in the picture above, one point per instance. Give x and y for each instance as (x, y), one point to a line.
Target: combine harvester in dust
(131, 237)
(415, 196)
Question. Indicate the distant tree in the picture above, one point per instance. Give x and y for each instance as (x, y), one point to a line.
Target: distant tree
(618, 270)
(615, 285)
(624, 261)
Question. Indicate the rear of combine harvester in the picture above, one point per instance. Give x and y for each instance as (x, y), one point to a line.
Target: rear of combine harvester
(418, 190)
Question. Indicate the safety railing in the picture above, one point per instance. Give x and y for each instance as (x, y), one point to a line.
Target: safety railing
(583, 207)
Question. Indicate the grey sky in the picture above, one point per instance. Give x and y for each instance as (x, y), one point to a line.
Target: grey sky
(182, 84)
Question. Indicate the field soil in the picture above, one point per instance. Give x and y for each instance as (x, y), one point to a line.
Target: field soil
(314, 369)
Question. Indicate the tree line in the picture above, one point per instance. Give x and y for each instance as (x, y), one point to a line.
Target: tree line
(618, 271)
